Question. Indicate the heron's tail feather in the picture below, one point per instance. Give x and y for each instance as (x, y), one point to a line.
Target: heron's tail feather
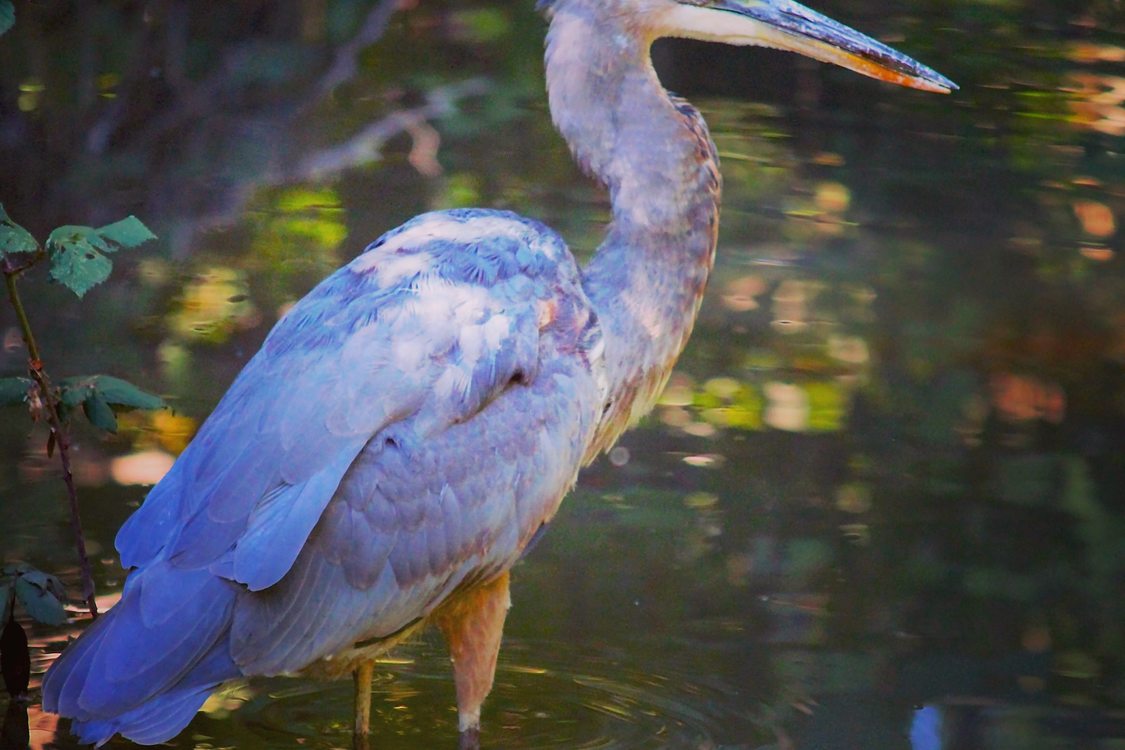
(151, 723)
(146, 666)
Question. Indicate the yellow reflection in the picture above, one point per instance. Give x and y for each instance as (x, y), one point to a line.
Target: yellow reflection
(30, 91)
(678, 391)
(300, 232)
(173, 431)
(827, 405)
(518, 669)
(723, 387)
(394, 661)
(832, 197)
(701, 500)
(212, 305)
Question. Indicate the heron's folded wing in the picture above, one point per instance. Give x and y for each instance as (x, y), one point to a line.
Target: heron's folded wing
(421, 325)
(414, 521)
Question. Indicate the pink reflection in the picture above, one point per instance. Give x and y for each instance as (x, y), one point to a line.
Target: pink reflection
(42, 728)
(1022, 398)
(146, 467)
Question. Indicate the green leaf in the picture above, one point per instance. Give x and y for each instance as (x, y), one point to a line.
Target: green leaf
(41, 596)
(45, 581)
(124, 394)
(128, 233)
(7, 15)
(5, 601)
(14, 390)
(117, 392)
(73, 391)
(99, 413)
(14, 239)
(72, 235)
(75, 260)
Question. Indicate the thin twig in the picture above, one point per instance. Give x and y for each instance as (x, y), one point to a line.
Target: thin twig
(366, 146)
(60, 435)
(344, 63)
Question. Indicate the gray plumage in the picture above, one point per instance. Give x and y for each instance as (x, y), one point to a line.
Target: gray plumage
(328, 499)
(411, 424)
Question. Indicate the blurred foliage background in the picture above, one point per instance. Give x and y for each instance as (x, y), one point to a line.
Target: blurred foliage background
(882, 498)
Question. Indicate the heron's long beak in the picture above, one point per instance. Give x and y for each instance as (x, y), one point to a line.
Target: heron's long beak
(787, 25)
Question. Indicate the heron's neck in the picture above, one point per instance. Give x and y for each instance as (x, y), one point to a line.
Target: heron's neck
(658, 161)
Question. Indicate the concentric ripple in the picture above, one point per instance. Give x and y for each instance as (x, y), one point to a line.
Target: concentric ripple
(547, 695)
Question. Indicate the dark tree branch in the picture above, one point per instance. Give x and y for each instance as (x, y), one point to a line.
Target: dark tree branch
(366, 146)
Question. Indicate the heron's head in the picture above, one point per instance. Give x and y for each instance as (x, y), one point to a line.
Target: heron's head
(781, 24)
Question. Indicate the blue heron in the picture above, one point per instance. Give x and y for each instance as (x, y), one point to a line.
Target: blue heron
(410, 425)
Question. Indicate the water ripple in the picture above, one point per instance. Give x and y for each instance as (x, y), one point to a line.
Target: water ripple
(547, 695)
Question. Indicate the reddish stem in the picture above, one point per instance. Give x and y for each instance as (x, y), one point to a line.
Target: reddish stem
(58, 430)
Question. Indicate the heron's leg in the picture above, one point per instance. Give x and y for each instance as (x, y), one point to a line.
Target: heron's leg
(472, 624)
(363, 675)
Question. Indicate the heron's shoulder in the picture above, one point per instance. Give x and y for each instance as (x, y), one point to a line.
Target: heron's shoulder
(476, 246)
(432, 271)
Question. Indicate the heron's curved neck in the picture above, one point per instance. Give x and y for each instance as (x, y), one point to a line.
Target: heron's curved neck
(659, 163)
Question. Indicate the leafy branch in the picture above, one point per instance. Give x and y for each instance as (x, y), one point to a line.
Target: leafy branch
(78, 259)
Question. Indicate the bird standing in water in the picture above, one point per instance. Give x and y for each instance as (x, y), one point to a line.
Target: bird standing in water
(411, 424)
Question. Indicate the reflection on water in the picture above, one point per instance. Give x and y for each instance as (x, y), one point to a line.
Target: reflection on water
(543, 702)
(879, 504)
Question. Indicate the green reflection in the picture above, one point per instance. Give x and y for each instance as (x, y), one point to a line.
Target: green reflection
(887, 471)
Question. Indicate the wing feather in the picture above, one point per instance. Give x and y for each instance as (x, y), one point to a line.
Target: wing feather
(361, 352)
(393, 542)
(276, 531)
(136, 661)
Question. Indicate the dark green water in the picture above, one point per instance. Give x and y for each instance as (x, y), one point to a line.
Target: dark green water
(886, 486)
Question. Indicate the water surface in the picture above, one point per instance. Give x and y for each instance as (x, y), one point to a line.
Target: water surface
(880, 504)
